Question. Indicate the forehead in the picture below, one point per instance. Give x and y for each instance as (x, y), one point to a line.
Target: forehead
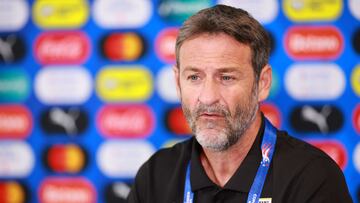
(214, 50)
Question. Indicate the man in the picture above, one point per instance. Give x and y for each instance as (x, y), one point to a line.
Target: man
(222, 75)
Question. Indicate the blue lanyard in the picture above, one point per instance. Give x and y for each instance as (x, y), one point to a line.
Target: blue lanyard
(267, 149)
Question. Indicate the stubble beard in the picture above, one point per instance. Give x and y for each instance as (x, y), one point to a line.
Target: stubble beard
(230, 130)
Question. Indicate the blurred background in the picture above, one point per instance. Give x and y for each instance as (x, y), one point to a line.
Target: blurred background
(87, 92)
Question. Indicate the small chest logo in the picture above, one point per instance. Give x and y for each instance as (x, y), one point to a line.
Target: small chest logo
(265, 200)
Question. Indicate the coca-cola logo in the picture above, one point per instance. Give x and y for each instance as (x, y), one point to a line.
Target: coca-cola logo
(62, 48)
(67, 190)
(126, 121)
(306, 42)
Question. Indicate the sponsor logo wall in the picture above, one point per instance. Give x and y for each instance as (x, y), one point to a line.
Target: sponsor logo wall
(87, 92)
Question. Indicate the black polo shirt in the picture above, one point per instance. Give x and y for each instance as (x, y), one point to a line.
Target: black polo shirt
(298, 173)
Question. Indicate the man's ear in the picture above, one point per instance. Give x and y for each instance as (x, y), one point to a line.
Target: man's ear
(264, 83)
(177, 80)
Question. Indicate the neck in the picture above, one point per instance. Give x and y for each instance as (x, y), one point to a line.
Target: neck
(221, 166)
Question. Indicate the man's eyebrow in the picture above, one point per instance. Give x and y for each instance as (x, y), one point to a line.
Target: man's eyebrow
(228, 70)
(191, 68)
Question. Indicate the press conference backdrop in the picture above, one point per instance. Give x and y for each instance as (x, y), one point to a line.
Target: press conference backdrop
(87, 92)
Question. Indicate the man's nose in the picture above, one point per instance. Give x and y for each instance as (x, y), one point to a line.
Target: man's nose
(209, 93)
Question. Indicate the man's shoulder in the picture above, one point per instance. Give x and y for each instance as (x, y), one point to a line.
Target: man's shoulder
(179, 152)
(295, 154)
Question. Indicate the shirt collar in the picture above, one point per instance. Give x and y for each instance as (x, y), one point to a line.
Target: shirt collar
(243, 177)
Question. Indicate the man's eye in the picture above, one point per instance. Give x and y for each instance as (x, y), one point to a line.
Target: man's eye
(193, 77)
(225, 77)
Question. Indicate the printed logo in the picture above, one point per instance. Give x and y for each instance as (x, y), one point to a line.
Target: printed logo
(14, 85)
(117, 192)
(356, 157)
(16, 158)
(354, 7)
(13, 15)
(334, 149)
(323, 81)
(117, 14)
(15, 122)
(172, 142)
(70, 121)
(69, 190)
(124, 83)
(63, 85)
(310, 10)
(314, 43)
(356, 118)
(12, 191)
(165, 45)
(12, 48)
(166, 86)
(60, 14)
(176, 122)
(179, 10)
(272, 113)
(65, 158)
(114, 161)
(62, 48)
(129, 121)
(317, 119)
(265, 11)
(355, 80)
(356, 40)
(265, 200)
(122, 46)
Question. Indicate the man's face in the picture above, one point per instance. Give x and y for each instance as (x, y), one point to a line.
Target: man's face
(217, 88)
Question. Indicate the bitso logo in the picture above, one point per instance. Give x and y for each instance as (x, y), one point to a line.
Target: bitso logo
(129, 121)
(60, 14)
(310, 10)
(310, 42)
(355, 80)
(62, 48)
(124, 83)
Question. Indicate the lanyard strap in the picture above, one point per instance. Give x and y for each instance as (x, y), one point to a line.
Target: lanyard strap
(267, 149)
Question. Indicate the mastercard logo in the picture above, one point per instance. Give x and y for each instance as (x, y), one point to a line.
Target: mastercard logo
(314, 43)
(69, 190)
(176, 122)
(128, 121)
(15, 121)
(65, 158)
(334, 149)
(165, 45)
(310, 10)
(123, 46)
(13, 192)
(50, 14)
